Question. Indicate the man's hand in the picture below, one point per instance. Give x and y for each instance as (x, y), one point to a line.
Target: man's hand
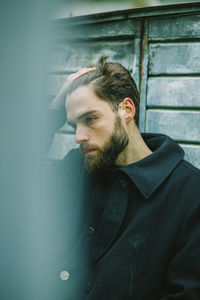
(59, 100)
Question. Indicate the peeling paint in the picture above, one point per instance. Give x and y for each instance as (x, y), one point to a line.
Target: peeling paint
(144, 42)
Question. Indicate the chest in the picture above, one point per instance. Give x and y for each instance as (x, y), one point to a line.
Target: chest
(131, 244)
(121, 247)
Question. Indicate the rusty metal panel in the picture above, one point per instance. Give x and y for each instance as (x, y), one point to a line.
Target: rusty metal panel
(174, 58)
(180, 125)
(173, 91)
(172, 98)
(101, 30)
(165, 10)
(192, 154)
(175, 27)
(136, 62)
(71, 57)
(143, 78)
(146, 12)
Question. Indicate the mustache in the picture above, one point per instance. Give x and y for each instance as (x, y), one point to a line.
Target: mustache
(86, 147)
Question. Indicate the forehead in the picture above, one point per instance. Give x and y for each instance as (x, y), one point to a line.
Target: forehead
(84, 99)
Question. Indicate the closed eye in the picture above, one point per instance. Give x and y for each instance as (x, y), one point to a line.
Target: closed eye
(90, 119)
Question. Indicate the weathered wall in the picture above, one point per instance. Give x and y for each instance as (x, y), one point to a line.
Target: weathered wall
(173, 82)
(160, 47)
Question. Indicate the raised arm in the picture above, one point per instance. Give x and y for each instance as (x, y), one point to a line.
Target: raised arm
(59, 101)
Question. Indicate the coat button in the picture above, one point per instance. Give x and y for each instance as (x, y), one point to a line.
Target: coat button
(123, 184)
(90, 231)
(64, 275)
(88, 287)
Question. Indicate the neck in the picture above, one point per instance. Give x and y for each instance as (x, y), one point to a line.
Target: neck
(136, 149)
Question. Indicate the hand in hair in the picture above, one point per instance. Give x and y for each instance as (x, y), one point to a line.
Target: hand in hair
(59, 100)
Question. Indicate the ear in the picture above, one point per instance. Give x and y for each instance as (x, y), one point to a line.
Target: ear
(128, 108)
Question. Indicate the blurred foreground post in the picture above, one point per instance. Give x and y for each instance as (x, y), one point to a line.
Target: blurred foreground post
(27, 244)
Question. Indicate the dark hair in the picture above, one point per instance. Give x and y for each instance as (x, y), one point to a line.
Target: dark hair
(111, 82)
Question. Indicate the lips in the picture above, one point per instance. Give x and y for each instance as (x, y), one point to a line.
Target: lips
(88, 151)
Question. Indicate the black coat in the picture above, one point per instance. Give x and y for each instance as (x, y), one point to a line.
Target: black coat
(144, 242)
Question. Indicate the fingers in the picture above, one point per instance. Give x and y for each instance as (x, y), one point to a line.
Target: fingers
(59, 100)
(80, 73)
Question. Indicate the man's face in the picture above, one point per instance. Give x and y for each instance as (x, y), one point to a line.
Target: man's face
(99, 130)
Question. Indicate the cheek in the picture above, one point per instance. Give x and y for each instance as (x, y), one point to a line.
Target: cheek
(106, 125)
(104, 131)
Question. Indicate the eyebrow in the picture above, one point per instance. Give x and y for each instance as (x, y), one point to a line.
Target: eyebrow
(81, 117)
(86, 114)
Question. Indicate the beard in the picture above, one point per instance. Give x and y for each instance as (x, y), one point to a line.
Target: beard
(108, 153)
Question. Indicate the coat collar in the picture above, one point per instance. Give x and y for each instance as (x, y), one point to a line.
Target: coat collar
(149, 173)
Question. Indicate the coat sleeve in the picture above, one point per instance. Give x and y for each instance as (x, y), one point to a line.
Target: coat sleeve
(183, 275)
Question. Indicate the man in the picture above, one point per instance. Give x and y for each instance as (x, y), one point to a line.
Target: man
(143, 199)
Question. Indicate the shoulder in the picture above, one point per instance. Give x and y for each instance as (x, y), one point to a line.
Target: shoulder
(73, 155)
(73, 161)
(185, 180)
(66, 174)
(192, 170)
(188, 174)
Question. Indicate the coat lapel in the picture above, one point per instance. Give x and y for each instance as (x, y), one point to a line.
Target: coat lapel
(111, 220)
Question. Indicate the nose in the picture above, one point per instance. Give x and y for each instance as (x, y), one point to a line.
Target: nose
(80, 136)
